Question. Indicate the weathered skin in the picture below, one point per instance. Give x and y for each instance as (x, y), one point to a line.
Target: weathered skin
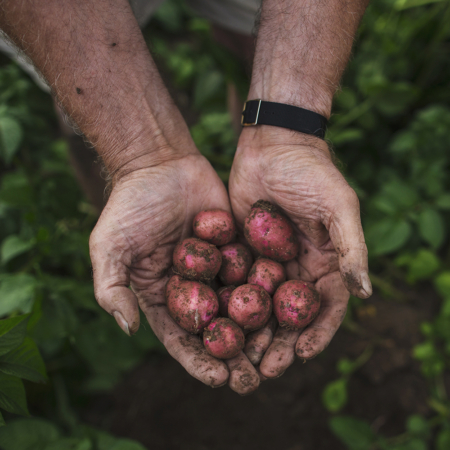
(269, 233)
(223, 294)
(236, 263)
(250, 306)
(296, 304)
(257, 342)
(195, 259)
(191, 304)
(223, 339)
(215, 226)
(296, 173)
(267, 274)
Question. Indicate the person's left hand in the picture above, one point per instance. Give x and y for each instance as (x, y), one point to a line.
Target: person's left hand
(295, 172)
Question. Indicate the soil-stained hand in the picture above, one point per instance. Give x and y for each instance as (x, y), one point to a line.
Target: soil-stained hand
(148, 212)
(296, 173)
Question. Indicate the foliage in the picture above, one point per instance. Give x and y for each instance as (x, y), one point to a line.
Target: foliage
(391, 122)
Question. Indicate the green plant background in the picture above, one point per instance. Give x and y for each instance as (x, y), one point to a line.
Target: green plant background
(391, 130)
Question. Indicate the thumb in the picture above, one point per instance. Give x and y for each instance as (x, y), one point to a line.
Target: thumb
(111, 281)
(341, 217)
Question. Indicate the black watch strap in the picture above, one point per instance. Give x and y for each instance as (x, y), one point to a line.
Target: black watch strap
(259, 112)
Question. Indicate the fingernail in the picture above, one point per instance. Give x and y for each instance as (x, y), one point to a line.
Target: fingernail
(366, 284)
(121, 322)
(219, 386)
(278, 376)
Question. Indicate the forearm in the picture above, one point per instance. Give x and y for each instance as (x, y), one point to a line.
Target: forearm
(95, 59)
(302, 49)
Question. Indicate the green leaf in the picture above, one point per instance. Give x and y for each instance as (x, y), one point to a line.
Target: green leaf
(12, 333)
(71, 444)
(443, 440)
(345, 366)
(12, 395)
(405, 4)
(388, 235)
(16, 293)
(16, 190)
(2, 420)
(354, 433)
(346, 136)
(442, 283)
(13, 246)
(421, 266)
(432, 227)
(107, 442)
(28, 434)
(24, 361)
(11, 136)
(425, 350)
(418, 426)
(334, 396)
(207, 84)
(443, 202)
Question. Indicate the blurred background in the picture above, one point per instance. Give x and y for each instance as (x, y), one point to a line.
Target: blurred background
(71, 379)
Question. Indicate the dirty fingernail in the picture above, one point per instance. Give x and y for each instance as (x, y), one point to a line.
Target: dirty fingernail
(278, 376)
(366, 284)
(121, 322)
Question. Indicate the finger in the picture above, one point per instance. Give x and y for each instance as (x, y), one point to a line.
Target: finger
(111, 281)
(280, 355)
(334, 299)
(186, 348)
(257, 342)
(244, 378)
(341, 217)
(261, 376)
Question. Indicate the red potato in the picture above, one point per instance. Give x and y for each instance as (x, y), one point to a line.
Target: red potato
(250, 306)
(191, 304)
(296, 304)
(196, 260)
(215, 226)
(223, 295)
(236, 263)
(267, 274)
(269, 233)
(223, 339)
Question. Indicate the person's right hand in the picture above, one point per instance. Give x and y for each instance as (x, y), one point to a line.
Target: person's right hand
(148, 212)
(296, 173)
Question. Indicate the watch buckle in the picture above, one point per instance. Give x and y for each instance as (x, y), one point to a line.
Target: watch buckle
(257, 115)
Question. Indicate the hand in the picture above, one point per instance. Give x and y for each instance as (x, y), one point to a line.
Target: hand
(296, 173)
(148, 212)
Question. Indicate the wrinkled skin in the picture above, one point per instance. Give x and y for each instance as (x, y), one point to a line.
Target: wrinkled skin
(296, 173)
(148, 212)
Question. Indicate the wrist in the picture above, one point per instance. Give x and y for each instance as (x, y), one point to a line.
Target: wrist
(271, 87)
(266, 140)
(145, 143)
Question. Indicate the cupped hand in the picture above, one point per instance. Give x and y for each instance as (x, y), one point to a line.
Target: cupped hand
(148, 212)
(296, 173)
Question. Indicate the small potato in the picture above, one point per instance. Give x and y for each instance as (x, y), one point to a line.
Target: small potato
(223, 338)
(267, 274)
(250, 306)
(223, 294)
(195, 259)
(269, 233)
(191, 304)
(215, 226)
(296, 304)
(236, 263)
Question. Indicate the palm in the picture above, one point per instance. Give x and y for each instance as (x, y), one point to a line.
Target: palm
(132, 245)
(302, 182)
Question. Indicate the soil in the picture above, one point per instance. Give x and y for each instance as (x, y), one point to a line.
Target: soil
(160, 405)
